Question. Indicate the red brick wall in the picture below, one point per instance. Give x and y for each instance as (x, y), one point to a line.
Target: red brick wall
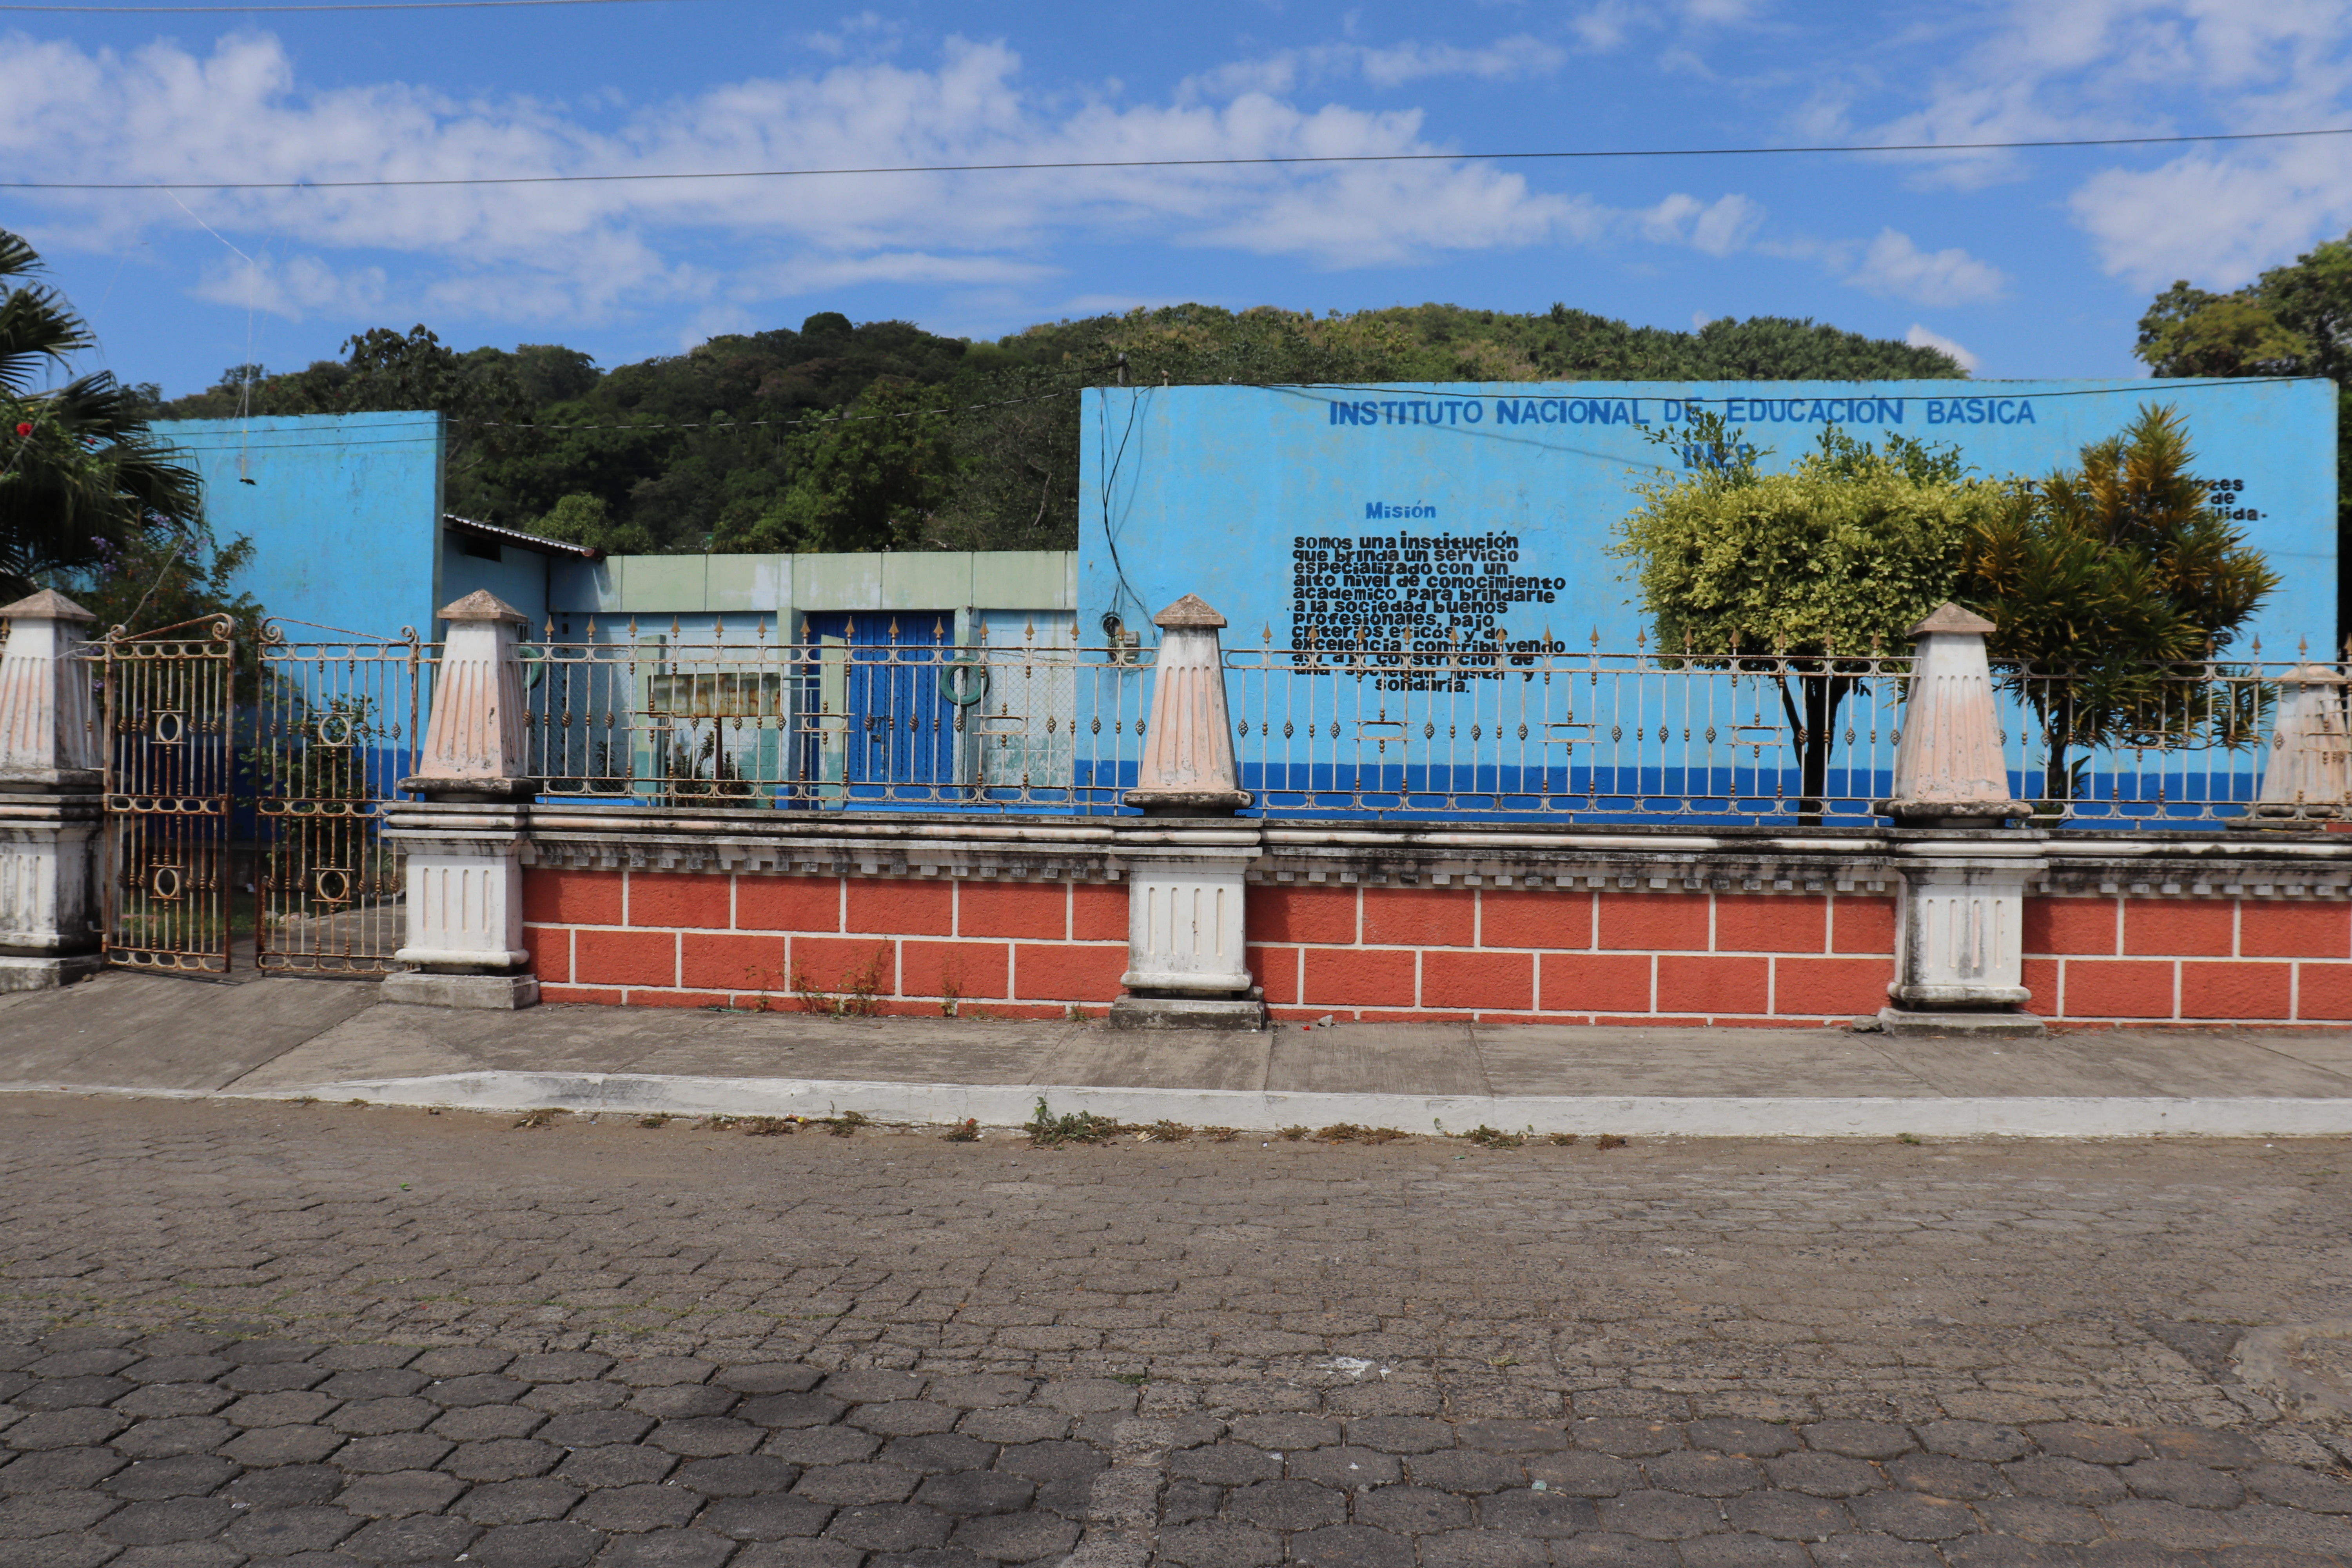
(1498, 955)
(2132, 961)
(671, 939)
(1504, 955)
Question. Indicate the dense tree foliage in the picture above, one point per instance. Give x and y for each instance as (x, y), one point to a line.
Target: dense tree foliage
(882, 435)
(81, 477)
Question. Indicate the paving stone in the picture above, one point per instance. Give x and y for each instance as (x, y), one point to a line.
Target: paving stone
(658, 1371)
(398, 1451)
(1219, 1544)
(1607, 1549)
(373, 1383)
(1625, 1436)
(967, 1492)
(823, 1446)
(1749, 1440)
(791, 1410)
(176, 1369)
(1659, 1515)
(1082, 1395)
(1533, 1514)
(536, 1546)
(97, 1361)
(787, 1377)
(875, 1384)
(558, 1366)
(30, 1515)
(1786, 1516)
(1482, 1548)
(1400, 1435)
(738, 1475)
(1028, 1424)
(1351, 1546)
(479, 1423)
(705, 1437)
(56, 1551)
(667, 1549)
(980, 1390)
(273, 1377)
(373, 1417)
(2177, 1480)
(295, 1407)
(502, 1459)
(2041, 1519)
(1585, 1475)
(175, 1435)
(479, 1388)
(2002, 1551)
(1979, 1440)
(1743, 1551)
(905, 1417)
(264, 1351)
(765, 1518)
(2299, 1489)
(183, 1474)
(364, 1358)
(460, 1362)
(286, 1485)
(638, 1508)
(1006, 1537)
(675, 1400)
(936, 1453)
(518, 1502)
(1859, 1439)
(282, 1532)
(1940, 1475)
(160, 1524)
(852, 1486)
(1912, 1517)
(181, 1554)
(2091, 1444)
(1702, 1473)
(70, 1393)
(1412, 1510)
(63, 1429)
(1466, 1470)
(1824, 1475)
(1876, 1551)
(1224, 1465)
(887, 1527)
(572, 1398)
(618, 1465)
(283, 1445)
(1347, 1468)
(2204, 1445)
(1285, 1433)
(798, 1554)
(2067, 1481)
(1052, 1461)
(399, 1493)
(594, 1428)
(164, 1400)
(1287, 1505)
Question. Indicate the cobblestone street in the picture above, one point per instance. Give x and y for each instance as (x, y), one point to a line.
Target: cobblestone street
(338, 1335)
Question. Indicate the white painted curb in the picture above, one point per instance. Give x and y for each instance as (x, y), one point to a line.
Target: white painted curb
(1649, 1116)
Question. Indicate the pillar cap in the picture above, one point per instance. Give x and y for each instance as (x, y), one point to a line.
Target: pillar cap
(2301, 675)
(48, 604)
(1189, 611)
(1949, 617)
(481, 604)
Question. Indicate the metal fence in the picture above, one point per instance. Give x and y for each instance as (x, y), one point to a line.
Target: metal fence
(863, 713)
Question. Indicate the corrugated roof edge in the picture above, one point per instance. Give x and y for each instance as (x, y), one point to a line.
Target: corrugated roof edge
(516, 536)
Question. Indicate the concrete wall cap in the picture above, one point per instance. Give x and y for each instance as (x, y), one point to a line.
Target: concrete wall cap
(481, 604)
(1191, 610)
(1949, 617)
(2301, 675)
(46, 604)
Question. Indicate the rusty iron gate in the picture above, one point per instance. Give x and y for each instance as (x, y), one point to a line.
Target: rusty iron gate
(264, 765)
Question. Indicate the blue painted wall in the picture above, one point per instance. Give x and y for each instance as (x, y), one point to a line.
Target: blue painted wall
(1207, 489)
(344, 511)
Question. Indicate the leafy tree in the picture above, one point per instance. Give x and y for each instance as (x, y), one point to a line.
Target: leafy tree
(2110, 586)
(1819, 565)
(80, 472)
(157, 580)
(871, 480)
(583, 518)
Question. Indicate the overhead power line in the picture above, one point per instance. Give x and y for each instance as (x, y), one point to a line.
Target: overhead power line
(1155, 162)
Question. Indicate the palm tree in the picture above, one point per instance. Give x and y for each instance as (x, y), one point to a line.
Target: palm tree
(80, 475)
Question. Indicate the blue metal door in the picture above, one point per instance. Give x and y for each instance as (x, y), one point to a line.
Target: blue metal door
(900, 735)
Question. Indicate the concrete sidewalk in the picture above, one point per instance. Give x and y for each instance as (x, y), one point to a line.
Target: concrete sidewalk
(283, 1037)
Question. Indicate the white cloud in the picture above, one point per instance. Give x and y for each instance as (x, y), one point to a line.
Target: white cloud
(1893, 264)
(1612, 24)
(1395, 65)
(593, 251)
(1919, 337)
(2143, 68)
(1717, 227)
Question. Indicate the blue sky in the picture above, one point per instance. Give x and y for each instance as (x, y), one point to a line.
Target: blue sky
(2033, 264)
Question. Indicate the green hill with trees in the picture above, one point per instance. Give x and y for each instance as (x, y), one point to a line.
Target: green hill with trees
(878, 435)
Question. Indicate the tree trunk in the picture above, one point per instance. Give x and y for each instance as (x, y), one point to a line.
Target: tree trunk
(1813, 726)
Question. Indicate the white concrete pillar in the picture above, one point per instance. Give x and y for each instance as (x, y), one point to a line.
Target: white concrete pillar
(2307, 773)
(464, 842)
(1950, 770)
(52, 769)
(1187, 963)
